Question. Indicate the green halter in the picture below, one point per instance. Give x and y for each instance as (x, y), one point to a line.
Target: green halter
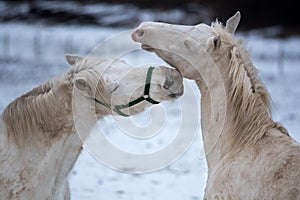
(145, 97)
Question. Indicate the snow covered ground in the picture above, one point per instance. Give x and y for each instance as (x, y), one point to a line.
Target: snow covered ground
(31, 54)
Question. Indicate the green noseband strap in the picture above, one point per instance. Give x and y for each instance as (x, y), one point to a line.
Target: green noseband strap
(145, 97)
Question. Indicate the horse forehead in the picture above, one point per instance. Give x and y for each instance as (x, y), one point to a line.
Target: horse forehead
(112, 67)
(200, 31)
(204, 28)
(116, 70)
(181, 29)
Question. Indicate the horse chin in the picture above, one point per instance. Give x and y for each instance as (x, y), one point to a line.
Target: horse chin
(175, 95)
(147, 48)
(134, 111)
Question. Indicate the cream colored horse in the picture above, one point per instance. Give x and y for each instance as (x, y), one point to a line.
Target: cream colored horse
(38, 140)
(249, 155)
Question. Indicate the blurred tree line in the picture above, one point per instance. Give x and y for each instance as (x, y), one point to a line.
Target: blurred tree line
(255, 13)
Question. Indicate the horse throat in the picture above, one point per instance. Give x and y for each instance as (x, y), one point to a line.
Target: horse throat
(246, 105)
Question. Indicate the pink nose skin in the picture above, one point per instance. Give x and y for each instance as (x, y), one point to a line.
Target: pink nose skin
(138, 33)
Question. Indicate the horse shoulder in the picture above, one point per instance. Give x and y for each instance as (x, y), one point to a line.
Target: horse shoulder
(268, 169)
(284, 173)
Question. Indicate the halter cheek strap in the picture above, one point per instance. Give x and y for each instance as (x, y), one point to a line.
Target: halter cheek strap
(145, 97)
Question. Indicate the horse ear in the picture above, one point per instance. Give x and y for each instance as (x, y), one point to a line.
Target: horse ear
(83, 86)
(73, 59)
(233, 22)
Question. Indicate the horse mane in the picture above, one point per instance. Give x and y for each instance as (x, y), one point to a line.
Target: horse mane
(248, 99)
(20, 115)
(31, 112)
(43, 109)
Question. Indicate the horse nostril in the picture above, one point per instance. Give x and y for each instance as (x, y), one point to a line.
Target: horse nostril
(139, 32)
(168, 84)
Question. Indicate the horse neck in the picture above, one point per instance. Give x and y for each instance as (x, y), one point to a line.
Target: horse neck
(210, 131)
(41, 124)
(246, 107)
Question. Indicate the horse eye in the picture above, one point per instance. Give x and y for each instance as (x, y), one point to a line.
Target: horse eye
(217, 41)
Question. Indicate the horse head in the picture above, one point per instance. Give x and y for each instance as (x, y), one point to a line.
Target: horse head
(116, 86)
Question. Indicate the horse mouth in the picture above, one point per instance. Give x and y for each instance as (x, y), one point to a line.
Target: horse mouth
(147, 48)
(175, 95)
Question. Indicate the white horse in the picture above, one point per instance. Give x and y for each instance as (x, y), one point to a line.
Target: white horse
(249, 156)
(38, 140)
